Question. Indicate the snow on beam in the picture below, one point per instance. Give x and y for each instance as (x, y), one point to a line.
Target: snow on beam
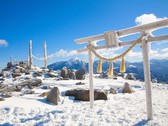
(124, 32)
(150, 39)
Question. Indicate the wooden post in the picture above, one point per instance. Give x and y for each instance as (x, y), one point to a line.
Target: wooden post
(147, 78)
(11, 59)
(30, 54)
(91, 92)
(45, 55)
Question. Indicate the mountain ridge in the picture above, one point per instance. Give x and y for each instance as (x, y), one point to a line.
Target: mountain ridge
(158, 67)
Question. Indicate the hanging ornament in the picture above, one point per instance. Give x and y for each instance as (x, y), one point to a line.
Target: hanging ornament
(99, 67)
(122, 67)
(110, 72)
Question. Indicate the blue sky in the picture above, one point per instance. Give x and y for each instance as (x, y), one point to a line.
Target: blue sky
(60, 22)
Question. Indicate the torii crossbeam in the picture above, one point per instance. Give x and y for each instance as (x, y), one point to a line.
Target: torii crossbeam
(111, 42)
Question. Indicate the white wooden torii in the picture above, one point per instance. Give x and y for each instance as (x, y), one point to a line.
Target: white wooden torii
(111, 42)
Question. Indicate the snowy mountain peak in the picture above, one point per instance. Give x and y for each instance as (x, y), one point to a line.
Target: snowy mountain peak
(74, 59)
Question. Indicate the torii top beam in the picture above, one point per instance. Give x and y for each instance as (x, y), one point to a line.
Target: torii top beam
(128, 31)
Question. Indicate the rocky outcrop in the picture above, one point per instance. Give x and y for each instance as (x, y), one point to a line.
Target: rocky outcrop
(83, 95)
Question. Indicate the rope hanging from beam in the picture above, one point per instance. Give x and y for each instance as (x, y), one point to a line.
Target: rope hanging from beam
(111, 60)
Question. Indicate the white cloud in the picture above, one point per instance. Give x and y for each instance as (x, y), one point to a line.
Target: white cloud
(147, 18)
(135, 54)
(162, 42)
(164, 50)
(3, 43)
(62, 53)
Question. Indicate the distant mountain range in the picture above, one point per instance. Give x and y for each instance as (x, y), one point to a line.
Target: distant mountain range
(159, 68)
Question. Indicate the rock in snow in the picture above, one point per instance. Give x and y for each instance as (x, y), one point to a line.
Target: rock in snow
(53, 95)
(83, 94)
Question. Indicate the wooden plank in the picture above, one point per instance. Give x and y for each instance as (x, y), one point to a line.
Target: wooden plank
(150, 39)
(124, 32)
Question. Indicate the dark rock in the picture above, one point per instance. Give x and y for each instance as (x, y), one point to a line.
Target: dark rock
(103, 75)
(130, 77)
(80, 74)
(64, 72)
(16, 75)
(53, 96)
(46, 87)
(80, 83)
(17, 88)
(127, 88)
(9, 65)
(72, 75)
(30, 87)
(44, 94)
(2, 99)
(113, 91)
(27, 72)
(32, 82)
(83, 95)
(1, 75)
(37, 74)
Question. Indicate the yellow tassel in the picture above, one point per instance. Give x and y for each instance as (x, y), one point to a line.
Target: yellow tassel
(99, 67)
(122, 67)
(110, 72)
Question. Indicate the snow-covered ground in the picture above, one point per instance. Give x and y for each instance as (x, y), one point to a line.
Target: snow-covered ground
(119, 110)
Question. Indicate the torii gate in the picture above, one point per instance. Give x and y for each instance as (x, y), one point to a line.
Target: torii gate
(111, 42)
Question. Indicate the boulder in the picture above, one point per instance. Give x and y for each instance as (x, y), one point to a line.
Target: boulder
(130, 77)
(2, 99)
(127, 88)
(83, 95)
(113, 91)
(64, 72)
(16, 75)
(32, 82)
(80, 74)
(53, 96)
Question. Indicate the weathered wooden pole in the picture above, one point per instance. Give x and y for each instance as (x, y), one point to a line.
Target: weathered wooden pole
(11, 59)
(91, 92)
(147, 78)
(30, 54)
(45, 55)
